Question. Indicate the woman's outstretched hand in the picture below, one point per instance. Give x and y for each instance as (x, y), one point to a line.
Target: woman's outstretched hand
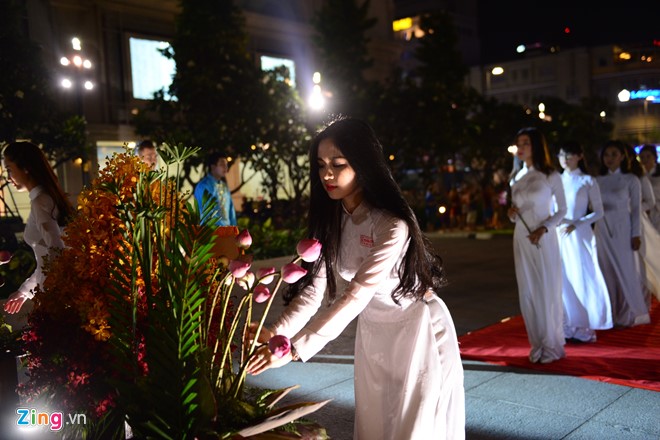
(15, 302)
(264, 335)
(263, 359)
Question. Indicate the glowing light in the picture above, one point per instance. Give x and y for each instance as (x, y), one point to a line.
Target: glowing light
(78, 161)
(625, 56)
(87, 64)
(402, 24)
(77, 60)
(442, 209)
(521, 48)
(66, 83)
(513, 149)
(541, 107)
(316, 99)
(64, 61)
(541, 115)
(88, 85)
(602, 114)
(567, 30)
(391, 157)
(316, 77)
(624, 95)
(76, 44)
(497, 70)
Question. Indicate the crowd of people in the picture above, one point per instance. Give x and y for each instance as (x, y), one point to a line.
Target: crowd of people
(577, 241)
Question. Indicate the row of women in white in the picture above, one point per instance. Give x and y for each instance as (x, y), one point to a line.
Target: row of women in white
(582, 243)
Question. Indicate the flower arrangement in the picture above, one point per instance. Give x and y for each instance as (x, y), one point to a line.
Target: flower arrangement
(138, 322)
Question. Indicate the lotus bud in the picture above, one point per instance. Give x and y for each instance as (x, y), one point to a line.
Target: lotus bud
(279, 345)
(246, 281)
(309, 249)
(5, 256)
(239, 268)
(266, 275)
(292, 272)
(261, 293)
(244, 239)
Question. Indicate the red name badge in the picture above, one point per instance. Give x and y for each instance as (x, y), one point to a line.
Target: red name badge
(366, 241)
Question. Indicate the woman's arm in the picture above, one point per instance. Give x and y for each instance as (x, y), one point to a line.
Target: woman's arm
(596, 204)
(390, 240)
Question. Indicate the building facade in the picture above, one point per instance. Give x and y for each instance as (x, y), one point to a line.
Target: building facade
(585, 72)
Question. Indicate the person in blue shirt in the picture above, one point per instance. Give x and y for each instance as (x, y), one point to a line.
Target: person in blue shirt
(213, 188)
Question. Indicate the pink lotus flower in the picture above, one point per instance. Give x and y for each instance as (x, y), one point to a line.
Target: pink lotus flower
(5, 256)
(239, 268)
(279, 345)
(266, 275)
(292, 272)
(309, 249)
(244, 239)
(261, 294)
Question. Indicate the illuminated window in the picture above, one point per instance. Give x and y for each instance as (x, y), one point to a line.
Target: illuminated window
(270, 63)
(151, 71)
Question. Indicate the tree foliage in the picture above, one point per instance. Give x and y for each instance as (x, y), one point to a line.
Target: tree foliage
(27, 107)
(216, 85)
(343, 55)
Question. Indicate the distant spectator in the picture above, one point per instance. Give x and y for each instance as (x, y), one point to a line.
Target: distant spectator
(212, 189)
(146, 151)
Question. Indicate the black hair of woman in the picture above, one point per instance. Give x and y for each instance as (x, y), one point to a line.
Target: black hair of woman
(421, 269)
(540, 151)
(621, 146)
(572, 147)
(650, 148)
(30, 158)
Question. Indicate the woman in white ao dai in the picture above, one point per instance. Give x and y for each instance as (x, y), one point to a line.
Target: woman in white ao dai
(618, 236)
(408, 371)
(29, 170)
(584, 292)
(538, 205)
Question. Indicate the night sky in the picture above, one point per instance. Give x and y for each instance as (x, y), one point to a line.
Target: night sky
(507, 23)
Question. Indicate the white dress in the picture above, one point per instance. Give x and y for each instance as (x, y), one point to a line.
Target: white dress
(649, 258)
(408, 371)
(586, 301)
(41, 232)
(654, 214)
(540, 201)
(621, 195)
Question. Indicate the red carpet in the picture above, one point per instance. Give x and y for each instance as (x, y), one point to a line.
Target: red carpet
(626, 356)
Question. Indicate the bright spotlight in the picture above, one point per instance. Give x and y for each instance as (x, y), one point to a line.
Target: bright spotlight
(316, 100)
(66, 83)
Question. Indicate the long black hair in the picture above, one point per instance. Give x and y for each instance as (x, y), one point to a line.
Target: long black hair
(421, 269)
(572, 147)
(649, 148)
(621, 146)
(29, 157)
(540, 152)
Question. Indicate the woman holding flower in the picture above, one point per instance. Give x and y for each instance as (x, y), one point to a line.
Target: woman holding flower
(538, 205)
(408, 372)
(29, 170)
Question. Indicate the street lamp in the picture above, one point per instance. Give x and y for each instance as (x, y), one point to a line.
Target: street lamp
(78, 66)
(77, 78)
